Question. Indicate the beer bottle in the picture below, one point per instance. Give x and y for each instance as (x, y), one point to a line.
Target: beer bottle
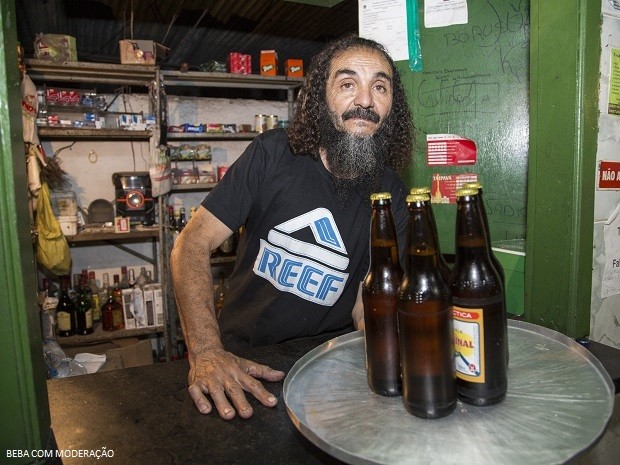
(65, 312)
(444, 268)
(379, 296)
(496, 263)
(480, 335)
(425, 321)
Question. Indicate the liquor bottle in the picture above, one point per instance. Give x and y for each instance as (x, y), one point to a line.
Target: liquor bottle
(48, 304)
(105, 289)
(83, 310)
(117, 296)
(94, 297)
(182, 220)
(65, 312)
(131, 277)
(444, 268)
(143, 278)
(112, 314)
(172, 222)
(479, 310)
(124, 282)
(379, 296)
(425, 321)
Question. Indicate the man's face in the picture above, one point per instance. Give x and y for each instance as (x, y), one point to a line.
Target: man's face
(359, 91)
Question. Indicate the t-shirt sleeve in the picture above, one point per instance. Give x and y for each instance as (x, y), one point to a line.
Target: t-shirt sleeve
(232, 199)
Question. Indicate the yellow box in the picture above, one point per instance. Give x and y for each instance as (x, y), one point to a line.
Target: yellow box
(294, 68)
(141, 52)
(268, 63)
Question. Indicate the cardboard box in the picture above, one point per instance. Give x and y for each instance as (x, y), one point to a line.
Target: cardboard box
(268, 63)
(158, 303)
(141, 52)
(294, 68)
(56, 48)
(511, 254)
(120, 353)
(129, 308)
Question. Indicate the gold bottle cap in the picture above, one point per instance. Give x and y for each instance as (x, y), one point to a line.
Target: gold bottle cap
(418, 198)
(381, 196)
(420, 190)
(462, 192)
(472, 185)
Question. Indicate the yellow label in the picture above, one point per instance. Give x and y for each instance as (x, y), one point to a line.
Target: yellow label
(89, 318)
(63, 319)
(469, 344)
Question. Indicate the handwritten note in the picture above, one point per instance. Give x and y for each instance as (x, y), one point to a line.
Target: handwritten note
(611, 273)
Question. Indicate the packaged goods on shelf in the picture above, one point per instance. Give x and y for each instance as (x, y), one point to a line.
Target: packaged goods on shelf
(193, 128)
(239, 63)
(200, 152)
(141, 52)
(294, 68)
(214, 127)
(268, 63)
(229, 128)
(56, 48)
(213, 66)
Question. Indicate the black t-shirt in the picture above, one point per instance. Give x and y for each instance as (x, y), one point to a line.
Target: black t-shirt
(302, 255)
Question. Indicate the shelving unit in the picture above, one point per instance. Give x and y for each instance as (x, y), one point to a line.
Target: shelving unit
(99, 73)
(172, 79)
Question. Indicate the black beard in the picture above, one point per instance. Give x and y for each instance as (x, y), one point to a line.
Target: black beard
(355, 162)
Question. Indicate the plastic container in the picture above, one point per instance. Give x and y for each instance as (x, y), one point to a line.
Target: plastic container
(64, 203)
(68, 225)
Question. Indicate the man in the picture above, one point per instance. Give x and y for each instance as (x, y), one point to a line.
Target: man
(303, 198)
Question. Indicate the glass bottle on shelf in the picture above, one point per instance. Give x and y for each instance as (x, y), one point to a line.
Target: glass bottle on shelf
(143, 278)
(48, 304)
(65, 312)
(95, 297)
(117, 296)
(83, 310)
(132, 277)
(124, 282)
(104, 290)
(182, 221)
(111, 311)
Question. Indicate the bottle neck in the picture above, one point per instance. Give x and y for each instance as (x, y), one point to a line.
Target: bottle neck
(471, 236)
(383, 243)
(422, 253)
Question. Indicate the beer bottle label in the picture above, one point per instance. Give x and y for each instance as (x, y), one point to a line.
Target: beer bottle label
(469, 344)
(64, 321)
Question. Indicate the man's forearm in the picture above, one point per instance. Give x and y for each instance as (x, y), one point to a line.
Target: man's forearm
(193, 292)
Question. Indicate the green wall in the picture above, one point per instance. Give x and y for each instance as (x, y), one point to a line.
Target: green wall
(474, 83)
(25, 421)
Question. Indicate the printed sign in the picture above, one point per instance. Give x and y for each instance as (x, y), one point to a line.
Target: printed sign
(449, 150)
(444, 186)
(609, 175)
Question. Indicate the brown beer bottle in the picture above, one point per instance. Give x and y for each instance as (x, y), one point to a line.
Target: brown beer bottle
(496, 263)
(425, 321)
(379, 297)
(444, 268)
(480, 336)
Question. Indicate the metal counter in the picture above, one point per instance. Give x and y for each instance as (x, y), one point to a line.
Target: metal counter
(558, 403)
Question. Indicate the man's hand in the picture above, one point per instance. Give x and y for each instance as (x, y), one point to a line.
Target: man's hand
(224, 377)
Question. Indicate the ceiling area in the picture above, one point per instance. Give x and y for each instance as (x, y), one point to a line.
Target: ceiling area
(195, 31)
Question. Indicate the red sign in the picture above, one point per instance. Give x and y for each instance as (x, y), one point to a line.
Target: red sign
(444, 186)
(449, 150)
(609, 175)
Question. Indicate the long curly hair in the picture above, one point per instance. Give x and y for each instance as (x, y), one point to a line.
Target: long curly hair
(303, 132)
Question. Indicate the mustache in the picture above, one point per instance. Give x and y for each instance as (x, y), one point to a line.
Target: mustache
(361, 113)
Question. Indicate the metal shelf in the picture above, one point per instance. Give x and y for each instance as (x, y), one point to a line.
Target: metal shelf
(94, 235)
(249, 81)
(180, 136)
(99, 335)
(98, 73)
(67, 133)
(199, 186)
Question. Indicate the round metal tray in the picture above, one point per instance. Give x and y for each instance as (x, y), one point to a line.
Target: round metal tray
(559, 401)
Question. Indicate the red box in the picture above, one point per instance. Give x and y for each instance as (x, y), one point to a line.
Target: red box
(239, 63)
(294, 68)
(268, 63)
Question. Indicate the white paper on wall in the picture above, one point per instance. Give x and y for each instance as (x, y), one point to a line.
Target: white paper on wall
(611, 274)
(438, 13)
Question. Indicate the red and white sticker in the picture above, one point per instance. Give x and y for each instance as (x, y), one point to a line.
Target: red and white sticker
(444, 186)
(609, 175)
(449, 150)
